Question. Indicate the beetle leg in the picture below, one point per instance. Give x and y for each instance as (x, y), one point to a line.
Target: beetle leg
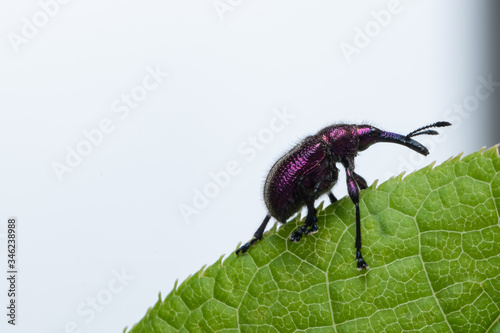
(353, 189)
(332, 197)
(258, 235)
(297, 235)
(313, 220)
(313, 224)
(361, 181)
(310, 226)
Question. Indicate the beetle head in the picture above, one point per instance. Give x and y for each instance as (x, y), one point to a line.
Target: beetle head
(369, 135)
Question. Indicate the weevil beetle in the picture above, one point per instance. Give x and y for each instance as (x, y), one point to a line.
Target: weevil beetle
(309, 170)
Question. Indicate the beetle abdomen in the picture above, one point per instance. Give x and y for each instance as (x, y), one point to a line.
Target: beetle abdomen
(298, 171)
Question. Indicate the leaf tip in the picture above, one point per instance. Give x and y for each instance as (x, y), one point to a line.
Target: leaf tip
(223, 259)
(274, 227)
(493, 151)
(458, 157)
(202, 270)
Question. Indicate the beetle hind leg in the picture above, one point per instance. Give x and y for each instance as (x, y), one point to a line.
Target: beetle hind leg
(258, 235)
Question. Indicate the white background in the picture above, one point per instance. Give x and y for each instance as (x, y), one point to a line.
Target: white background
(119, 209)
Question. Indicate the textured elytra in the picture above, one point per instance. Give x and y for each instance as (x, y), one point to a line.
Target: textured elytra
(432, 240)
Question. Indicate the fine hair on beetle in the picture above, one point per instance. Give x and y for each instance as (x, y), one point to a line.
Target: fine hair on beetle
(309, 170)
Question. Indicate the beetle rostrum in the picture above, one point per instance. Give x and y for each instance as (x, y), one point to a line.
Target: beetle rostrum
(309, 170)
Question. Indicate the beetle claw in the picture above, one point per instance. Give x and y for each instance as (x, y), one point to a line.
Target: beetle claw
(243, 248)
(303, 231)
(312, 230)
(361, 262)
(297, 235)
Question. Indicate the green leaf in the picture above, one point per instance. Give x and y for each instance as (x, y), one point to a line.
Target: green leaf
(432, 240)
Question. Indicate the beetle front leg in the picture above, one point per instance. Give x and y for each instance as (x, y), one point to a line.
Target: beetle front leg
(362, 184)
(353, 189)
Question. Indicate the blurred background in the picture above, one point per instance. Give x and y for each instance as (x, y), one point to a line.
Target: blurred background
(136, 137)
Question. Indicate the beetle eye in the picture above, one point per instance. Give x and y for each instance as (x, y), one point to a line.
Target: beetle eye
(368, 137)
(375, 132)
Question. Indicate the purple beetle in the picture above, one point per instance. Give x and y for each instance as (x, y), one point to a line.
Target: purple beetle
(309, 170)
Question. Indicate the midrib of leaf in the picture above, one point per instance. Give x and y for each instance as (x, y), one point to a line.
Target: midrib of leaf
(328, 283)
(335, 235)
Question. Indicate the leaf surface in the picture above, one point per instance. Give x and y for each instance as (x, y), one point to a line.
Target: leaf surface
(432, 240)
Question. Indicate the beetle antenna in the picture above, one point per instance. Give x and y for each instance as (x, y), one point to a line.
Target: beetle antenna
(422, 131)
(428, 132)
